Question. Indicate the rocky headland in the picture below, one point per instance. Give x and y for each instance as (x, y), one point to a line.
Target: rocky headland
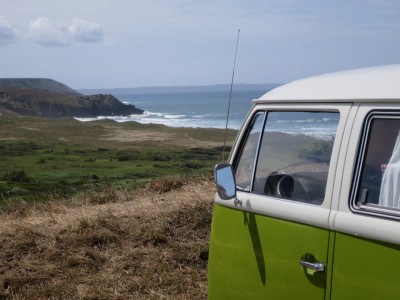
(51, 99)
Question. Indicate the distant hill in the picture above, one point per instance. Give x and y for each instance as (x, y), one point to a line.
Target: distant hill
(37, 84)
(190, 88)
(48, 98)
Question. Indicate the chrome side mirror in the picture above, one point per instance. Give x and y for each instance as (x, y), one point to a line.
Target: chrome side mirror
(225, 181)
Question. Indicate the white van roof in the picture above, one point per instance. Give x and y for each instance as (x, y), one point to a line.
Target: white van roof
(366, 85)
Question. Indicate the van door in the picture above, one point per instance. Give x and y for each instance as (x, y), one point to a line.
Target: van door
(367, 221)
(274, 245)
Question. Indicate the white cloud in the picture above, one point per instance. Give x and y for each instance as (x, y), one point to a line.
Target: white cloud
(146, 39)
(7, 32)
(49, 33)
(85, 31)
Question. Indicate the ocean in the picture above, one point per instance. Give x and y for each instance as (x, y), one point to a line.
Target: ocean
(208, 109)
(205, 109)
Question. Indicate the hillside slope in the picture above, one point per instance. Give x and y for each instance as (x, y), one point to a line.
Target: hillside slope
(37, 84)
(52, 99)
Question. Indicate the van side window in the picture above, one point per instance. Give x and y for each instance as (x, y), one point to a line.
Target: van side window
(294, 155)
(245, 167)
(379, 182)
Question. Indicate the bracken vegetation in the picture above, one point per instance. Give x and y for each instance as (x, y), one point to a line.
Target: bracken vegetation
(146, 244)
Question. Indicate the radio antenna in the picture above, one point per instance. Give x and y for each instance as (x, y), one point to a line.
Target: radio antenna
(230, 96)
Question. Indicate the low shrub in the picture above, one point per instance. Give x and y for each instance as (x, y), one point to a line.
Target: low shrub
(16, 176)
(166, 184)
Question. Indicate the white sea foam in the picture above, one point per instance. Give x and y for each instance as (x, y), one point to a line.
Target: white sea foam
(169, 120)
(187, 109)
(174, 116)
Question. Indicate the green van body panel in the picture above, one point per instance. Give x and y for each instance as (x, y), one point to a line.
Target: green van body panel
(257, 257)
(365, 269)
(329, 264)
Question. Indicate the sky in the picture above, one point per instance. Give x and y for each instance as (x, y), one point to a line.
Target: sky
(141, 43)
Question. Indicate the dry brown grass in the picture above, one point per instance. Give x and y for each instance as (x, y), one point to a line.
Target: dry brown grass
(150, 244)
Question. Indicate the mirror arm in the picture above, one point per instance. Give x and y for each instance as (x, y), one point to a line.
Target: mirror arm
(237, 201)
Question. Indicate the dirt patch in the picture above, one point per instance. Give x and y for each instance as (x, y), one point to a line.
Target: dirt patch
(167, 138)
(30, 128)
(125, 136)
(10, 139)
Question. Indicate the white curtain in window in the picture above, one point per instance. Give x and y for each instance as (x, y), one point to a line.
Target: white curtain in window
(390, 188)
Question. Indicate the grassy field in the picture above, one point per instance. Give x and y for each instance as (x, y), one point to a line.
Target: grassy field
(105, 210)
(63, 156)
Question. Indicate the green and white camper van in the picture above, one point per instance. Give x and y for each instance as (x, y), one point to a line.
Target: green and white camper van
(308, 206)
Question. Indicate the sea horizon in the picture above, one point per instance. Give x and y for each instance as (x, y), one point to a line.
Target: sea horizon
(196, 107)
(208, 109)
(180, 88)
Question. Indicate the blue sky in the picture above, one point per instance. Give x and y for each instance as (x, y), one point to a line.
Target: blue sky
(131, 43)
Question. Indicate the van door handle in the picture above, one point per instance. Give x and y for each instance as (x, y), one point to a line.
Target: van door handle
(315, 266)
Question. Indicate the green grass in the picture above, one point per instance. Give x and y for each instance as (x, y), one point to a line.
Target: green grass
(63, 156)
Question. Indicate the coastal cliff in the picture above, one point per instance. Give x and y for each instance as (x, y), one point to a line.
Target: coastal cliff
(51, 99)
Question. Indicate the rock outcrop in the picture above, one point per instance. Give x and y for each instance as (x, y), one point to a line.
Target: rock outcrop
(52, 99)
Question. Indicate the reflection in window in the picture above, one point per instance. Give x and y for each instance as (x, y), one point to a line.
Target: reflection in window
(380, 175)
(295, 154)
(244, 168)
(390, 188)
